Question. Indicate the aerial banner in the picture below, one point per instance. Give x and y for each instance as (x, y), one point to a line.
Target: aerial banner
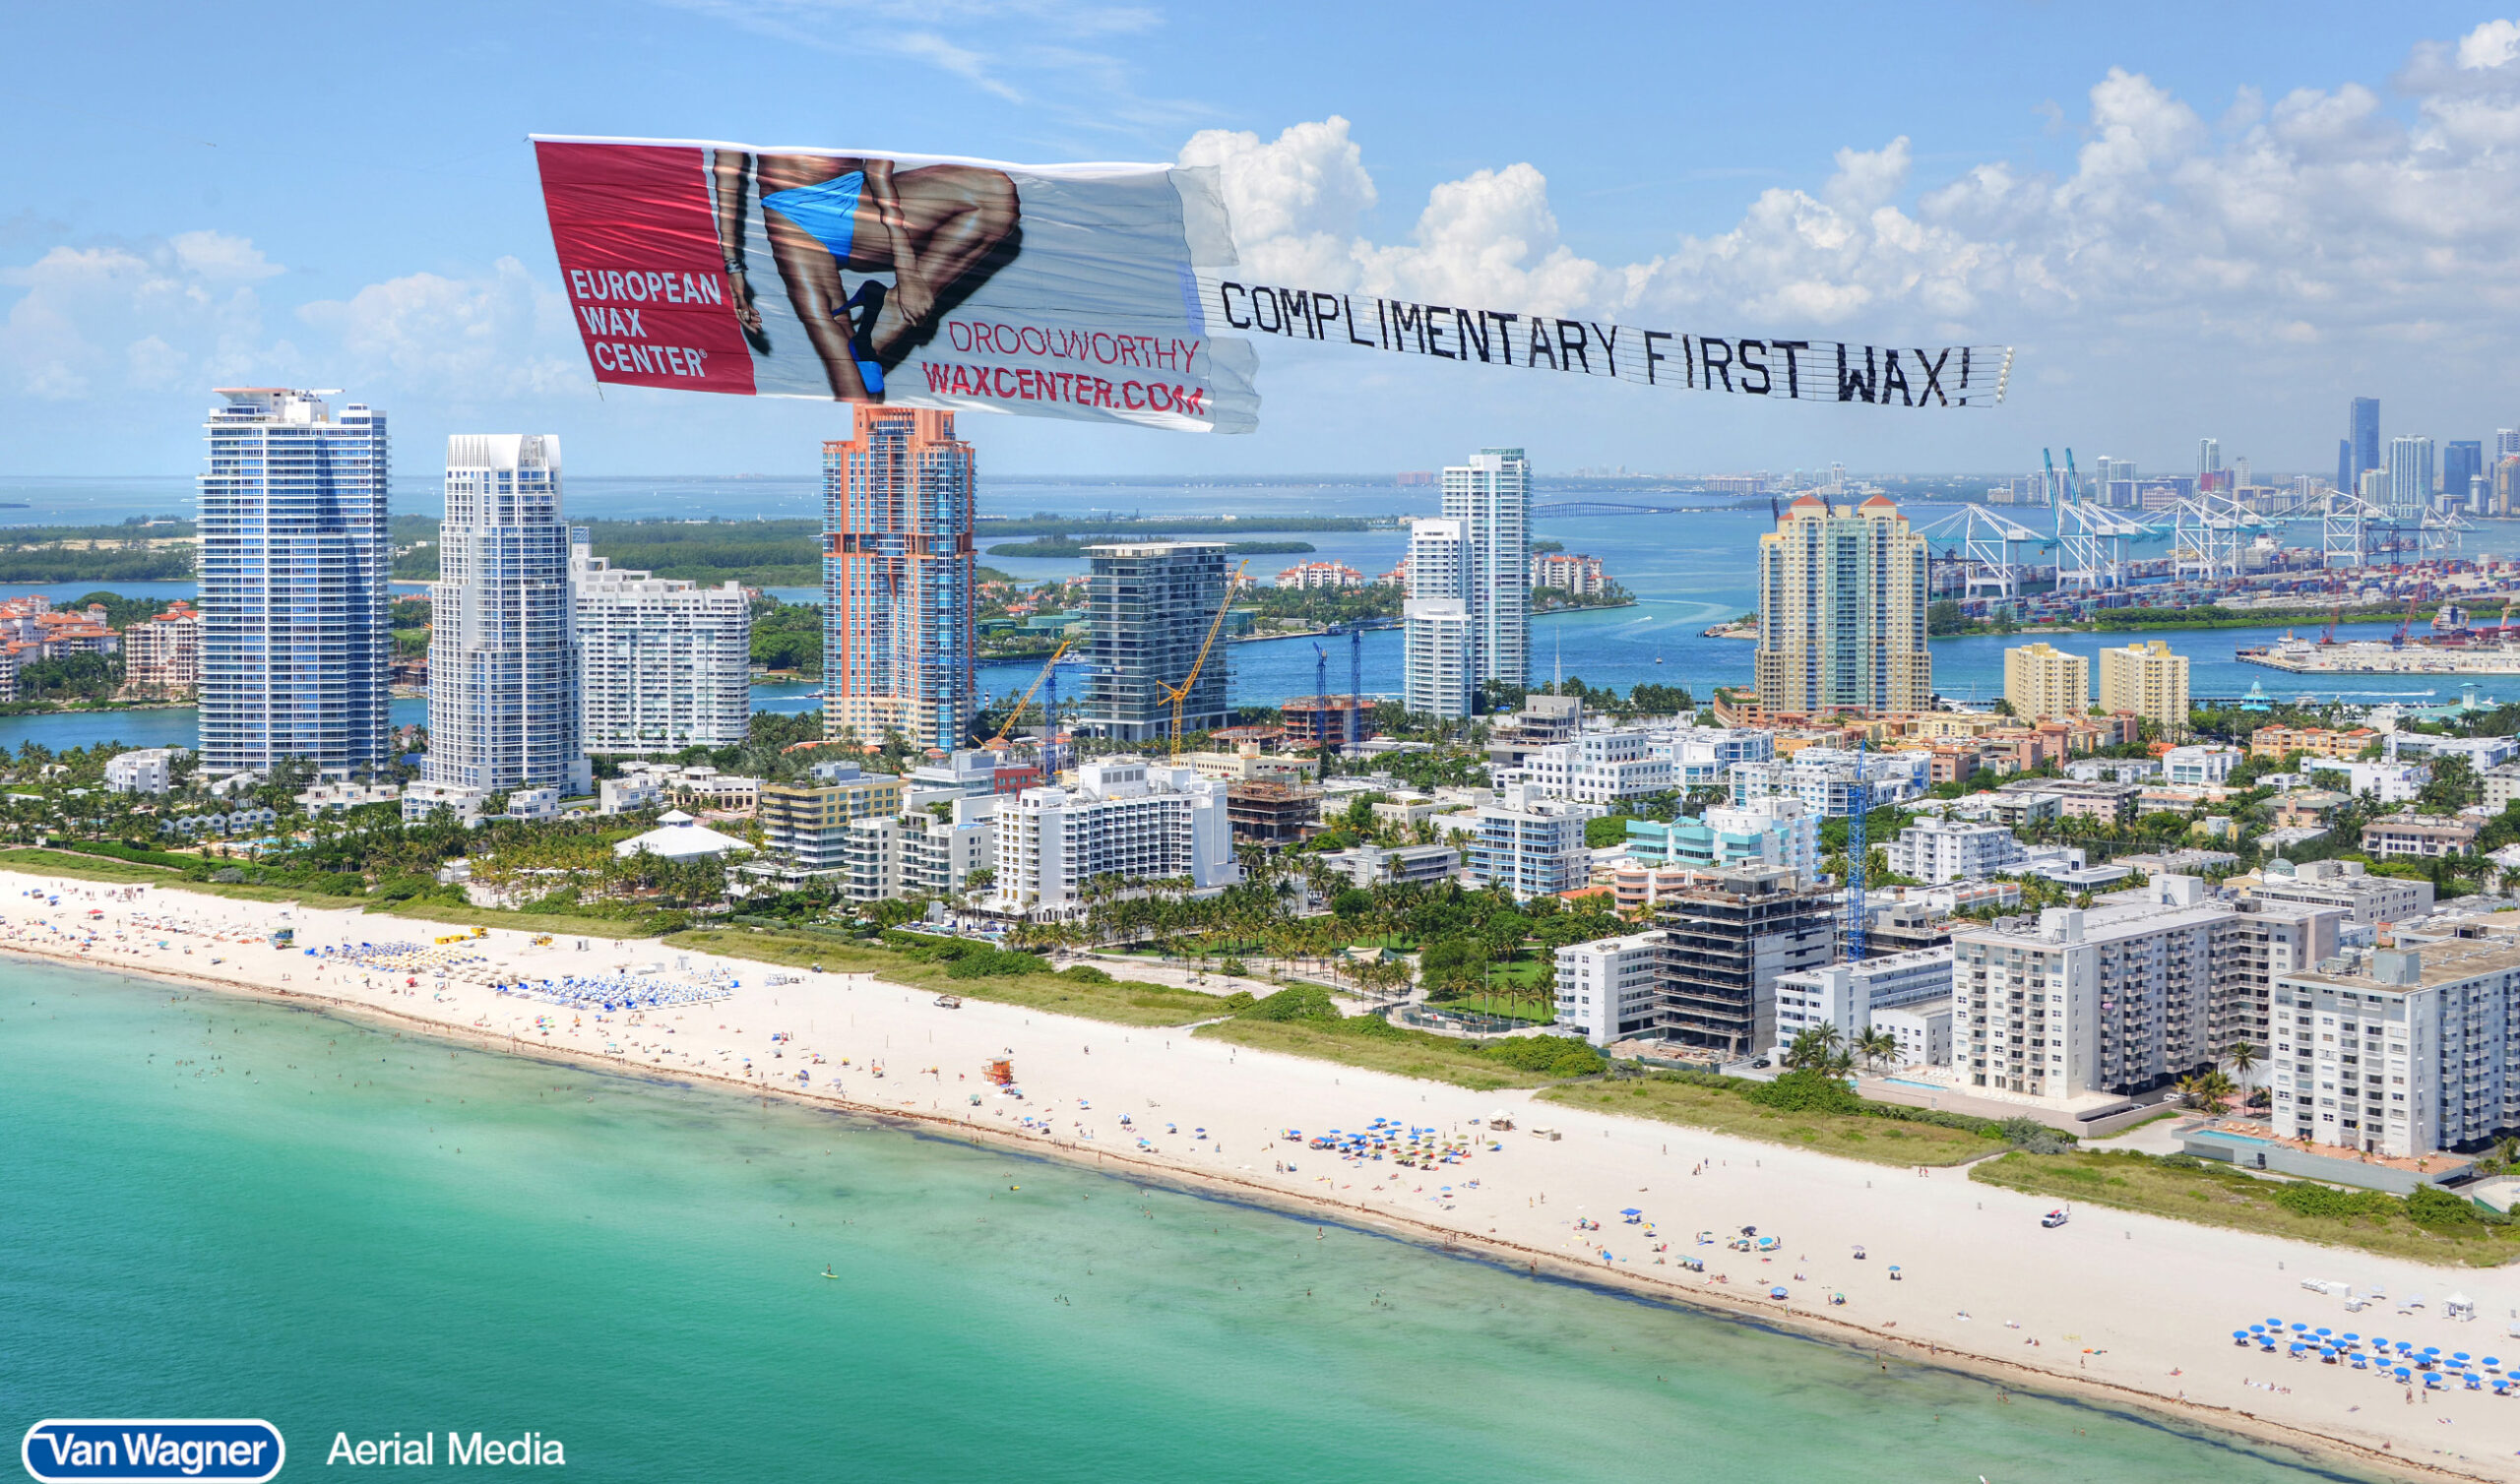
(918, 280)
(1764, 366)
(1102, 292)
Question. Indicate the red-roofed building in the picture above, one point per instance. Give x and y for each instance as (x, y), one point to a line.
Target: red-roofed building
(163, 657)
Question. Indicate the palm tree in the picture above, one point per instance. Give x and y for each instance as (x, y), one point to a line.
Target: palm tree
(1879, 1047)
(1817, 1048)
(2206, 1091)
(2243, 1058)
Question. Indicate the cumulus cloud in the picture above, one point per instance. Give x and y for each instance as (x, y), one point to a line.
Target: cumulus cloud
(183, 314)
(465, 340)
(99, 318)
(2334, 216)
(1297, 199)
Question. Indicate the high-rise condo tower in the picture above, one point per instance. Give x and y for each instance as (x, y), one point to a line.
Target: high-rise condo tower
(1492, 497)
(294, 560)
(1842, 610)
(504, 661)
(898, 573)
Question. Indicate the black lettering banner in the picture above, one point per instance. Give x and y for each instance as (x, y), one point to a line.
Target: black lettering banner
(1792, 370)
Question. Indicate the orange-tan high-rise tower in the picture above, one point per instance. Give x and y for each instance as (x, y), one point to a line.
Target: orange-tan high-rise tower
(898, 573)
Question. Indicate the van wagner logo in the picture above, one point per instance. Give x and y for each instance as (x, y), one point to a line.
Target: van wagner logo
(132, 1451)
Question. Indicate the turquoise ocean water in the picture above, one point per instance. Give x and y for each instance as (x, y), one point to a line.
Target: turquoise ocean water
(211, 1207)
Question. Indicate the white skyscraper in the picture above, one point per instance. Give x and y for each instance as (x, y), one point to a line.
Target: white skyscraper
(1492, 497)
(1441, 662)
(504, 662)
(294, 640)
(2410, 475)
(2209, 456)
(668, 664)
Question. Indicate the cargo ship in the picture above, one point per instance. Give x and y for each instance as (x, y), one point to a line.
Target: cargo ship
(2474, 655)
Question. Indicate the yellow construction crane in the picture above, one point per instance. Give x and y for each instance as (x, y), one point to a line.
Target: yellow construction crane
(1176, 697)
(1025, 699)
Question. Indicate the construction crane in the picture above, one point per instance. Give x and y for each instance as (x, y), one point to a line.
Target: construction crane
(1025, 699)
(1181, 694)
(1321, 695)
(2327, 636)
(2074, 482)
(2397, 641)
(1357, 680)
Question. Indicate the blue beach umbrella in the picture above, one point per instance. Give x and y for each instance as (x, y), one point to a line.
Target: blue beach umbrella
(2458, 1355)
(2239, 1334)
(2324, 1332)
(2257, 1329)
(2404, 1374)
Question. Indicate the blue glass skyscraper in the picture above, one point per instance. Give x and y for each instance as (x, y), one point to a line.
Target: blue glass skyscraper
(2462, 460)
(2366, 436)
(294, 642)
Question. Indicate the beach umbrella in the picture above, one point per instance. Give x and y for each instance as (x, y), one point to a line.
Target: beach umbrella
(2404, 1374)
(2323, 1333)
(2459, 1355)
(2432, 1349)
(2239, 1334)
(2351, 1337)
(2300, 1329)
(2257, 1329)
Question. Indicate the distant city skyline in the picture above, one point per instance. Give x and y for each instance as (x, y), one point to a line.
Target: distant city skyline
(2126, 201)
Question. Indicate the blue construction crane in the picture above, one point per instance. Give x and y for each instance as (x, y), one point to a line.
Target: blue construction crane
(1320, 694)
(1356, 684)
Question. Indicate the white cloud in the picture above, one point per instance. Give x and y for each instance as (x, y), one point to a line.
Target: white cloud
(462, 340)
(97, 319)
(1297, 199)
(2328, 219)
(181, 315)
(2489, 46)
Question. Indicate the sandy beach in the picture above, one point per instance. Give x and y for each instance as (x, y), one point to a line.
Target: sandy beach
(2121, 1307)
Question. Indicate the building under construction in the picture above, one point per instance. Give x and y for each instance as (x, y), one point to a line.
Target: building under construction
(1315, 720)
(1725, 940)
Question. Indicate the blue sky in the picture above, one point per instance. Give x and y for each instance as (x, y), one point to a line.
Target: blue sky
(2195, 219)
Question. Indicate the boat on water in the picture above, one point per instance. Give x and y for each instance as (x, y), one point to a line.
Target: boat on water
(2380, 658)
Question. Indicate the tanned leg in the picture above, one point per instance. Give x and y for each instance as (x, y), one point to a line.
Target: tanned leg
(964, 224)
(812, 277)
